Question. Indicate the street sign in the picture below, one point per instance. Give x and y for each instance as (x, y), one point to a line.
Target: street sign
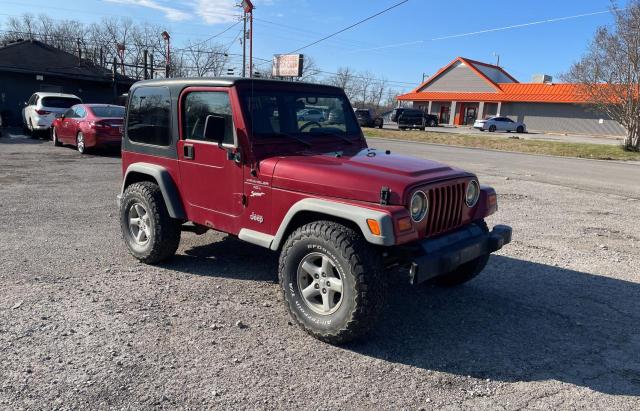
(288, 65)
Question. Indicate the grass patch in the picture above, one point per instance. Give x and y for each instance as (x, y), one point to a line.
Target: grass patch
(581, 150)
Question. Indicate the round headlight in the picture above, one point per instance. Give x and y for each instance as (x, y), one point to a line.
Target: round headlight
(473, 193)
(419, 206)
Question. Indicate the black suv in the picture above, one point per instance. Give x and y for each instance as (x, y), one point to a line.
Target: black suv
(412, 118)
(364, 117)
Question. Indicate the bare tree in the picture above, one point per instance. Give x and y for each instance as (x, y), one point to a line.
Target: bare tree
(310, 70)
(364, 82)
(609, 73)
(345, 79)
(205, 60)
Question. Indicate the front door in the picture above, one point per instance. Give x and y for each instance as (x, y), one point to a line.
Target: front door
(470, 115)
(211, 183)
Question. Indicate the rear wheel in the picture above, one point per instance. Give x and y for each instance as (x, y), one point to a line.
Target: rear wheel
(80, 143)
(32, 132)
(432, 123)
(492, 128)
(148, 231)
(332, 281)
(520, 129)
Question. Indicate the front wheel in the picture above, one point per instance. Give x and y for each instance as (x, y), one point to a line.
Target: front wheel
(332, 281)
(54, 137)
(147, 228)
(492, 128)
(432, 123)
(520, 129)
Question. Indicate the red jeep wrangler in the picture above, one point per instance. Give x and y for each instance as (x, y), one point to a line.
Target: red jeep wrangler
(234, 155)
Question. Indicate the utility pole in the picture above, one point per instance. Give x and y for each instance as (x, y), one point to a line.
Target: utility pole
(247, 7)
(167, 40)
(145, 55)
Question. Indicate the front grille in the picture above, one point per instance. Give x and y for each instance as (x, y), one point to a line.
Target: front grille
(445, 208)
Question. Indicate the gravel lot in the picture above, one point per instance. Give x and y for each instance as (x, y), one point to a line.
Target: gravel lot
(553, 322)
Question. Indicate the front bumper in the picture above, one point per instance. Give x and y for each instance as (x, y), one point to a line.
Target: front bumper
(444, 254)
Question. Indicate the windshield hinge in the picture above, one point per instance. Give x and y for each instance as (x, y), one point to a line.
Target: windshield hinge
(385, 195)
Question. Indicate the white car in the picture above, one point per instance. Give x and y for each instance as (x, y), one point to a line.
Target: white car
(42, 108)
(500, 124)
(311, 114)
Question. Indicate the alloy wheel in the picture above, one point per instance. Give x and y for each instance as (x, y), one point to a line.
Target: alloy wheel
(320, 283)
(80, 143)
(139, 224)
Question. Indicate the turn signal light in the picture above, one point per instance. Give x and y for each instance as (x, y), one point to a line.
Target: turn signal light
(374, 226)
(404, 224)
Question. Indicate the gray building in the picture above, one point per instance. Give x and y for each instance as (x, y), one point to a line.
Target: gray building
(465, 90)
(30, 66)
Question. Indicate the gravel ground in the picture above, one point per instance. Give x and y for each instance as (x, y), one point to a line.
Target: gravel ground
(551, 324)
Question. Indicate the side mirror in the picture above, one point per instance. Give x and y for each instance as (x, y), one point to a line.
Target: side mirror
(214, 127)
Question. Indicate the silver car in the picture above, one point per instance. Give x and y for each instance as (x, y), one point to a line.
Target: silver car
(500, 124)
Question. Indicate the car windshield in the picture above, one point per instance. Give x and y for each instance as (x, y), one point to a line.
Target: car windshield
(108, 111)
(305, 115)
(59, 102)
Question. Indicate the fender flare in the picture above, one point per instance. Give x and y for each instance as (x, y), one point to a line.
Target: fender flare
(357, 214)
(165, 182)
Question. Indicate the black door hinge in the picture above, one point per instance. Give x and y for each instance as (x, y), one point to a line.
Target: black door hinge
(385, 195)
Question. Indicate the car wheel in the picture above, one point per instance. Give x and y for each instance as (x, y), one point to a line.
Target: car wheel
(520, 129)
(432, 123)
(54, 137)
(80, 143)
(332, 281)
(150, 234)
(32, 132)
(465, 272)
(492, 128)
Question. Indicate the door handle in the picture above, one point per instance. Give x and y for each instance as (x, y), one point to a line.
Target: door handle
(188, 152)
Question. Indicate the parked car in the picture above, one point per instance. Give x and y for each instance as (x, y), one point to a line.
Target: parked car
(311, 115)
(41, 109)
(364, 117)
(338, 211)
(413, 118)
(500, 124)
(89, 125)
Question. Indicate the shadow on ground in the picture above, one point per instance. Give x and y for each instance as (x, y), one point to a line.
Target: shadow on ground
(518, 321)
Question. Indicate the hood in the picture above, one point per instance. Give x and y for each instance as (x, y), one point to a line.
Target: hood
(359, 176)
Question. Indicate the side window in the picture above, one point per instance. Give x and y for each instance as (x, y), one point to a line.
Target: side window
(70, 113)
(508, 120)
(80, 112)
(197, 106)
(149, 117)
(32, 99)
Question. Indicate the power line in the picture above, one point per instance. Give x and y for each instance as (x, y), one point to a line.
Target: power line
(349, 27)
(216, 35)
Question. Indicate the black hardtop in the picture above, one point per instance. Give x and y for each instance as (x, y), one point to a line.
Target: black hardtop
(177, 84)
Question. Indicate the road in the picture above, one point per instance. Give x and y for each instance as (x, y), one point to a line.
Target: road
(552, 323)
(532, 135)
(611, 177)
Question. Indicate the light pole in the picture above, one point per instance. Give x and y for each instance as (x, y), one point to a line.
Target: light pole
(167, 40)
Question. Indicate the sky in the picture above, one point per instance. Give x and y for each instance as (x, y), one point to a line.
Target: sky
(413, 39)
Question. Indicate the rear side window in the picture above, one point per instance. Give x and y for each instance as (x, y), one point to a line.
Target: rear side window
(59, 102)
(149, 116)
(108, 111)
(200, 104)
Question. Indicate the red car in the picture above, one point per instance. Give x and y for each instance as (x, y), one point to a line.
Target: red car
(89, 125)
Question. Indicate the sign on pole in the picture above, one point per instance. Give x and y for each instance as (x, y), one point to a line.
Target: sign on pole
(287, 65)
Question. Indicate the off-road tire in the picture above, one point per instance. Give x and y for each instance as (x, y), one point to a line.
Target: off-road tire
(360, 268)
(165, 231)
(467, 271)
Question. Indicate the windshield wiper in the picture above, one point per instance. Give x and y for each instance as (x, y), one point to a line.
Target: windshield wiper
(280, 134)
(329, 133)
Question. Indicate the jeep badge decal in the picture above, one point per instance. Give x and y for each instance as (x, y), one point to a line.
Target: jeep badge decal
(256, 217)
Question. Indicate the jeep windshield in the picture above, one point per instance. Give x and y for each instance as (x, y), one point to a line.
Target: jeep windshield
(300, 115)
